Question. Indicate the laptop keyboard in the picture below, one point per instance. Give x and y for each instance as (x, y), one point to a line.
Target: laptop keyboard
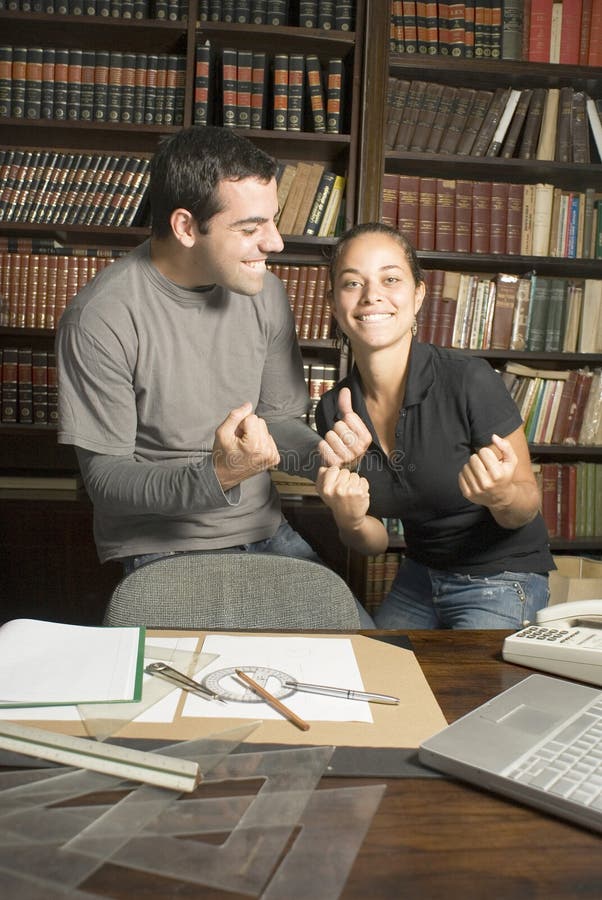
(569, 764)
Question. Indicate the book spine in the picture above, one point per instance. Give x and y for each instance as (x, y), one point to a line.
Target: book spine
(259, 67)
(334, 96)
(316, 92)
(19, 82)
(74, 84)
(280, 92)
(202, 84)
(33, 78)
(296, 93)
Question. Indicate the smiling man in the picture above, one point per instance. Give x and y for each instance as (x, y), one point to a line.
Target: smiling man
(180, 377)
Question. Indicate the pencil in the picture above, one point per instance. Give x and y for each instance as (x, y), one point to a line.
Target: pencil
(284, 710)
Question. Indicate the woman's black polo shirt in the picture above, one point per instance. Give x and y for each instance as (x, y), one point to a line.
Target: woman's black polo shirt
(453, 404)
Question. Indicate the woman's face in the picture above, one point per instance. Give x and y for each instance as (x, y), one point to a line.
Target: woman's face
(375, 297)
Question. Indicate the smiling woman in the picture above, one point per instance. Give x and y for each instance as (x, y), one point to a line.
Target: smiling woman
(448, 455)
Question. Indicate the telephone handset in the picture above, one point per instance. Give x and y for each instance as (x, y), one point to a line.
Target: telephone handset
(566, 639)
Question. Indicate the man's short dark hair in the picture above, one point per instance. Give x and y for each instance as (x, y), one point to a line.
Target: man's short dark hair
(187, 168)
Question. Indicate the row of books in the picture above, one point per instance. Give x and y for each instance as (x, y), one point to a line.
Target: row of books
(542, 31)
(561, 407)
(336, 15)
(166, 10)
(505, 311)
(429, 27)
(560, 124)
(92, 85)
(253, 89)
(28, 386)
(457, 215)
(571, 499)
(311, 200)
(380, 572)
(35, 288)
(55, 188)
(564, 31)
(306, 287)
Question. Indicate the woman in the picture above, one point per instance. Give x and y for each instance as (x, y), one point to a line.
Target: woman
(449, 455)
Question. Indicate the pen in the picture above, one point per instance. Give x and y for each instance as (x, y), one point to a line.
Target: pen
(284, 710)
(341, 692)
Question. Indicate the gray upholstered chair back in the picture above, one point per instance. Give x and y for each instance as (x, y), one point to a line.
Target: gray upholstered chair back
(233, 590)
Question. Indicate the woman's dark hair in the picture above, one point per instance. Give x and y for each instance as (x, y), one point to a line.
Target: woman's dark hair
(377, 228)
(188, 167)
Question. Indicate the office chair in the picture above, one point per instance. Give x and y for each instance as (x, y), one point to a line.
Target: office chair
(233, 590)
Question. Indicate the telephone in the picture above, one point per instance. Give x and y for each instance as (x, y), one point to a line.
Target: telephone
(566, 639)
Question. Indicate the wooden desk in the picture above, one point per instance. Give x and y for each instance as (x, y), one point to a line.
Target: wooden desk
(436, 838)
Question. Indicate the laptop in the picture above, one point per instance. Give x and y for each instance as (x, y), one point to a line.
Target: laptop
(540, 743)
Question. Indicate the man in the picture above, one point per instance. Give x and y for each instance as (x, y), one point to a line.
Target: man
(180, 377)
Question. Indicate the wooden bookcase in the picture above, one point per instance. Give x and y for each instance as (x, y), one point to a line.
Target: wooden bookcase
(359, 152)
(53, 570)
(376, 161)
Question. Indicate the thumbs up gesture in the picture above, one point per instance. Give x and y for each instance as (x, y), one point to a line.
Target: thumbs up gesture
(348, 439)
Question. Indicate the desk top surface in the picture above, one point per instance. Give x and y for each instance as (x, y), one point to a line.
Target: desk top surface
(434, 837)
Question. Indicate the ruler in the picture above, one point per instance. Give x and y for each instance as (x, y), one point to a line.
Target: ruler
(122, 762)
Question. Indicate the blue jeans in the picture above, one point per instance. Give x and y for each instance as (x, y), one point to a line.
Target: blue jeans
(421, 597)
(286, 542)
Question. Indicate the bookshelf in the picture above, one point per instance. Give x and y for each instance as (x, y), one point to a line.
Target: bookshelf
(49, 539)
(381, 164)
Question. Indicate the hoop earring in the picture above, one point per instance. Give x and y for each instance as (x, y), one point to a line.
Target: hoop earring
(414, 327)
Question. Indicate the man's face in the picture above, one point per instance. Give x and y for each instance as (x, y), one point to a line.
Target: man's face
(234, 252)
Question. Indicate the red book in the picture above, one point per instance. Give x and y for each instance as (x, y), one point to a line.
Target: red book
(549, 499)
(540, 31)
(481, 203)
(498, 217)
(389, 199)
(514, 219)
(407, 207)
(433, 312)
(444, 214)
(594, 53)
(577, 407)
(503, 312)
(563, 409)
(586, 19)
(568, 502)
(570, 38)
(447, 315)
(463, 216)
(426, 207)
(318, 310)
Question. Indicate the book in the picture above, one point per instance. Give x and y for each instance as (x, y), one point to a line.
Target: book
(279, 91)
(498, 217)
(489, 124)
(445, 199)
(462, 106)
(259, 89)
(288, 215)
(540, 31)
(329, 224)
(478, 111)
(307, 198)
(503, 314)
(79, 663)
(595, 125)
(315, 88)
(407, 189)
(334, 95)
(511, 139)
(397, 94)
(542, 218)
(547, 137)
(296, 92)
(410, 114)
(426, 116)
(503, 125)
(530, 138)
(322, 195)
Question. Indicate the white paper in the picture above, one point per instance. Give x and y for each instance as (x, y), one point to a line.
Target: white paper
(161, 712)
(329, 661)
(49, 662)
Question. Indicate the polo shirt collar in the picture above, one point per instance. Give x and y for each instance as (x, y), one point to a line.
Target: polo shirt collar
(421, 375)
